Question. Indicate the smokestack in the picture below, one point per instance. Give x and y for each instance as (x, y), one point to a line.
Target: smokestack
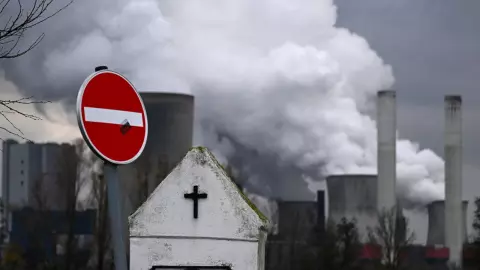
(321, 211)
(436, 223)
(453, 178)
(386, 149)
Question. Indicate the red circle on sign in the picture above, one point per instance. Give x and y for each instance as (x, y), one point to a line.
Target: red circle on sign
(112, 117)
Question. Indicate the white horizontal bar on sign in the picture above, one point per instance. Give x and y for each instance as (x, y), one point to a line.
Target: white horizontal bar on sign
(109, 116)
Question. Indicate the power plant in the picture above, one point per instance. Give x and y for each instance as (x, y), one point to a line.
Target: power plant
(359, 197)
(356, 197)
(353, 196)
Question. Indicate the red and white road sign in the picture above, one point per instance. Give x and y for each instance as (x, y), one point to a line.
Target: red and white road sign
(112, 117)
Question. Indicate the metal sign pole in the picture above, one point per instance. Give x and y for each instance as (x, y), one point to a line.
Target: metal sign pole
(94, 106)
(116, 216)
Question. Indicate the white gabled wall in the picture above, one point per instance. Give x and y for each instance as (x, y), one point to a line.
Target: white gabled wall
(228, 231)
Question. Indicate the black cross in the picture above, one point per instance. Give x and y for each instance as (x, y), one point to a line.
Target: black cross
(195, 196)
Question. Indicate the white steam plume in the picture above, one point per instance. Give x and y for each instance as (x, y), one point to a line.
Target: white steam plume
(276, 76)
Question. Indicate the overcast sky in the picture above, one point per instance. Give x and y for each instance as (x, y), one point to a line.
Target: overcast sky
(434, 49)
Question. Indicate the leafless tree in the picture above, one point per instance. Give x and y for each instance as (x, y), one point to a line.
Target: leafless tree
(9, 108)
(3, 223)
(328, 247)
(18, 17)
(293, 240)
(340, 248)
(141, 183)
(336, 246)
(102, 233)
(58, 189)
(348, 243)
(393, 235)
(149, 174)
(93, 167)
(40, 192)
(70, 182)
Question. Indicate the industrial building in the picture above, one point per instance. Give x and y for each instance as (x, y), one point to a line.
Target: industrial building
(38, 188)
(447, 219)
(170, 136)
(360, 197)
(31, 170)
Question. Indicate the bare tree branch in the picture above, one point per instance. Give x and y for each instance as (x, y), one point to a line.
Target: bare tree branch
(8, 108)
(12, 32)
(391, 237)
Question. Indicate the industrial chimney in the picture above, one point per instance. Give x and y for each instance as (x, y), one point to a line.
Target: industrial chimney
(386, 149)
(436, 223)
(321, 211)
(453, 178)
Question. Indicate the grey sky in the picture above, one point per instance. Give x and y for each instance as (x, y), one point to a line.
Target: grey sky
(434, 49)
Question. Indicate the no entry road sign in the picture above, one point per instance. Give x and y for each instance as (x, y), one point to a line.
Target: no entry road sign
(112, 117)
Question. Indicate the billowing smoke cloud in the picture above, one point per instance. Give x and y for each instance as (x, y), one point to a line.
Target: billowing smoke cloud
(274, 79)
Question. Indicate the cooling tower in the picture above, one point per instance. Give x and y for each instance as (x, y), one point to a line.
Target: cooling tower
(436, 223)
(170, 136)
(171, 128)
(353, 197)
(386, 149)
(454, 230)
